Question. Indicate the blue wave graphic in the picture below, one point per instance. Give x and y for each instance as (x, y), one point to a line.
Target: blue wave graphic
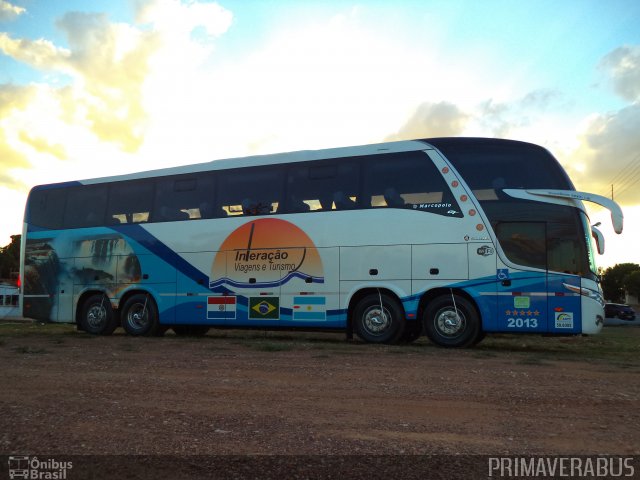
(275, 283)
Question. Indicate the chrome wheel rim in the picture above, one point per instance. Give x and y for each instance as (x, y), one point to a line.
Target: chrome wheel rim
(96, 316)
(138, 317)
(450, 323)
(376, 321)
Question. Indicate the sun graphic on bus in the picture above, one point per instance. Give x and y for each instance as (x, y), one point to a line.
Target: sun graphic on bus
(266, 252)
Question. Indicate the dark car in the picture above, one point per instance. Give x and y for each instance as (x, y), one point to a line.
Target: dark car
(619, 310)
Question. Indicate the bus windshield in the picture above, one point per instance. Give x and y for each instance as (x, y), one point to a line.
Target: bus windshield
(532, 234)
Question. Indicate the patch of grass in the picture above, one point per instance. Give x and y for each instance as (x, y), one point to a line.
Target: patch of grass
(615, 345)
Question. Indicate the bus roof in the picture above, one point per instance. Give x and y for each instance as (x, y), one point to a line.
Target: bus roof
(299, 156)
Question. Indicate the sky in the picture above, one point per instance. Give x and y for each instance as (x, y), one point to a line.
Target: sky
(105, 87)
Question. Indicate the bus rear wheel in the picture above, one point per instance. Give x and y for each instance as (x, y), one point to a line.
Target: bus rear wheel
(97, 316)
(452, 321)
(374, 324)
(140, 315)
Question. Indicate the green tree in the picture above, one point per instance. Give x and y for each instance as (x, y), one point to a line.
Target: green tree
(632, 283)
(614, 280)
(10, 257)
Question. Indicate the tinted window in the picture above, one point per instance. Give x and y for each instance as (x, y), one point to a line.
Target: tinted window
(85, 206)
(322, 186)
(46, 207)
(488, 166)
(255, 191)
(524, 243)
(407, 180)
(183, 197)
(130, 202)
(514, 221)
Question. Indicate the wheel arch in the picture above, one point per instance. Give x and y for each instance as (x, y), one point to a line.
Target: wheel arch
(83, 298)
(359, 294)
(446, 291)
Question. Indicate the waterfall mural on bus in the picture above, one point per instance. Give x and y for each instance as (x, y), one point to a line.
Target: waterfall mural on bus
(266, 253)
(40, 277)
(62, 262)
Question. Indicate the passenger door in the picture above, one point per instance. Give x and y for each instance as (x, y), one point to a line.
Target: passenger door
(522, 292)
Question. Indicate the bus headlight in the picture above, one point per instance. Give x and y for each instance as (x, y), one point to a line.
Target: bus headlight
(586, 292)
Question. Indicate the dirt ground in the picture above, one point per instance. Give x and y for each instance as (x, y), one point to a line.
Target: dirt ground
(266, 393)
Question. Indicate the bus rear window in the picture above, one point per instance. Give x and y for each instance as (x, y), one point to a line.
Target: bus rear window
(46, 208)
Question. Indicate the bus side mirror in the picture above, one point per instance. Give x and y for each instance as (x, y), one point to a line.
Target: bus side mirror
(599, 238)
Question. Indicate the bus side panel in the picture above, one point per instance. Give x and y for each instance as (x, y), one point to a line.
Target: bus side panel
(482, 269)
(159, 278)
(315, 303)
(192, 304)
(379, 266)
(564, 306)
(439, 263)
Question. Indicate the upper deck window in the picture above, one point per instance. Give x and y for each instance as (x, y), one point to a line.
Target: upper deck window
(319, 186)
(130, 202)
(488, 166)
(254, 191)
(407, 180)
(85, 206)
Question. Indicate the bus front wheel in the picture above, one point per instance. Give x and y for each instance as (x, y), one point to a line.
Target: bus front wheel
(140, 315)
(378, 318)
(452, 321)
(97, 316)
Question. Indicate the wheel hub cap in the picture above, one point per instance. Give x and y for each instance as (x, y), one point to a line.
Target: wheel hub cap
(377, 320)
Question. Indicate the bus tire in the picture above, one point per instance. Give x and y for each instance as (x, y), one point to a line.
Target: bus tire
(140, 315)
(190, 330)
(446, 328)
(97, 316)
(373, 327)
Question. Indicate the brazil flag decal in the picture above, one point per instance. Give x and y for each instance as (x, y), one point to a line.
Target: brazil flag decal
(264, 308)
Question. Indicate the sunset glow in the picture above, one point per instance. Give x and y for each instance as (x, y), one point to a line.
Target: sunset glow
(89, 89)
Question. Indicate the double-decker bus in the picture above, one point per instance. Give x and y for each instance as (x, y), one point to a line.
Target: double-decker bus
(450, 237)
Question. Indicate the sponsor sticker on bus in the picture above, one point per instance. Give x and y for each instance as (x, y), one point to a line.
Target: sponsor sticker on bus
(564, 320)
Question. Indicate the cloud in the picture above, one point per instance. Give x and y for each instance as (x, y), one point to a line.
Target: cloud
(609, 152)
(111, 64)
(179, 18)
(12, 99)
(622, 65)
(41, 54)
(42, 145)
(609, 145)
(442, 119)
(9, 11)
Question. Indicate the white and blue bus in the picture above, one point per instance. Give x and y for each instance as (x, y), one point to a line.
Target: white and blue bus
(450, 237)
